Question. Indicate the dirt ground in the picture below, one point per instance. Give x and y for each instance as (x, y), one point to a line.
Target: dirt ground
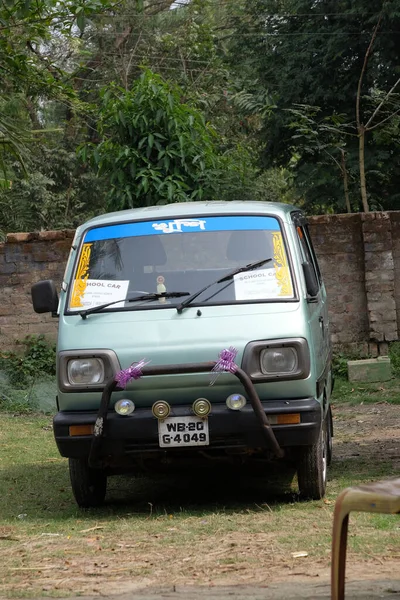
(363, 433)
(299, 590)
(370, 431)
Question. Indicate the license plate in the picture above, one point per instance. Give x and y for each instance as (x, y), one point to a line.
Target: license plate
(176, 432)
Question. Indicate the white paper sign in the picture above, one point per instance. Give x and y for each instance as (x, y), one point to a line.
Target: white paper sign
(256, 285)
(102, 291)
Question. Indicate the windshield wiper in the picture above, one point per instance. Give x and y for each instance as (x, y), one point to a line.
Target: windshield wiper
(230, 275)
(95, 309)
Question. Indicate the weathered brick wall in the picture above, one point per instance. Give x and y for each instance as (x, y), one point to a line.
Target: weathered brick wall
(359, 256)
(380, 278)
(395, 222)
(24, 259)
(338, 243)
(360, 260)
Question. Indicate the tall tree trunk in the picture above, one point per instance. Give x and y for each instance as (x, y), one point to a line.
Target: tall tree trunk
(363, 185)
(345, 181)
(360, 126)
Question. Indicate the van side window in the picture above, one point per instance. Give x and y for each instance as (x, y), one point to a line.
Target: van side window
(311, 246)
(307, 250)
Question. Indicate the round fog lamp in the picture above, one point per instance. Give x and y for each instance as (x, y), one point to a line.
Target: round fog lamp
(201, 407)
(161, 409)
(124, 407)
(236, 401)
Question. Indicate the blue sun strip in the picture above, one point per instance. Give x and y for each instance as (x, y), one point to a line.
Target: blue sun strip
(183, 225)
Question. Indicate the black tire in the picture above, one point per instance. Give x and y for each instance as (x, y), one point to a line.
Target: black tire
(312, 468)
(89, 486)
(329, 441)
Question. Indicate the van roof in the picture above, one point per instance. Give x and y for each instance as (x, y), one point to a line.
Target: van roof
(192, 209)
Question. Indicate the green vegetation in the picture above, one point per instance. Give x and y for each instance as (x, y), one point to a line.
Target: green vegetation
(366, 393)
(394, 354)
(341, 358)
(27, 377)
(330, 69)
(155, 148)
(339, 364)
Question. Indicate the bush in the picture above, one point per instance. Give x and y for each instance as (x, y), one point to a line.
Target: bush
(339, 365)
(37, 358)
(394, 354)
(340, 359)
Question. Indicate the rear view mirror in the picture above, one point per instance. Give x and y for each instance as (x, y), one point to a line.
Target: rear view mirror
(310, 279)
(44, 297)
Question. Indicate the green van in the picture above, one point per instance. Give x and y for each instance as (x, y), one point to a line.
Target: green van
(191, 333)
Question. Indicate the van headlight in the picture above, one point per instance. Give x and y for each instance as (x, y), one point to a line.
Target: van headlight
(86, 371)
(271, 360)
(278, 360)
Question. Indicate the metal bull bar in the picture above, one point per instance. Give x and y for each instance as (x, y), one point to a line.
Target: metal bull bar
(100, 427)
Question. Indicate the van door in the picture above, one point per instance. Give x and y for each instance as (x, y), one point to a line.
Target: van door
(316, 305)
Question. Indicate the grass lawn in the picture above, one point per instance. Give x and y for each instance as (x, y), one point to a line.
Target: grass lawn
(223, 526)
(367, 393)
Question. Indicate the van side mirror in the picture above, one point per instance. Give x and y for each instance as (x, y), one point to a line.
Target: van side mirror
(312, 284)
(44, 296)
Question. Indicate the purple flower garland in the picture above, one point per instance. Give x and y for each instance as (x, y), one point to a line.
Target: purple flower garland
(132, 372)
(226, 363)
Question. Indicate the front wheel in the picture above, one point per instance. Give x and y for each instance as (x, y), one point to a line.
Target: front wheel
(312, 467)
(89, 486)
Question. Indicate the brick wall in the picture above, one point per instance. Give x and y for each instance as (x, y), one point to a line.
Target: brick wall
(360, 261)
(26, 258)
(359, 256)
(339, 245)
(395, 222)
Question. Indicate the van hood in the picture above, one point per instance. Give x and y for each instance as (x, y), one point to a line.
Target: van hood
(165, 337)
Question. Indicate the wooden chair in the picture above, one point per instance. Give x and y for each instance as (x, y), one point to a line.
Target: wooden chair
(377, 497)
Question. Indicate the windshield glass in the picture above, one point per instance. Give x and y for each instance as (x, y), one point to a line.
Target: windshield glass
(118, 261)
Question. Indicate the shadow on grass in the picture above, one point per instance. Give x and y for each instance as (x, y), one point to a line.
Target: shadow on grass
(206, 489)
(43, 491)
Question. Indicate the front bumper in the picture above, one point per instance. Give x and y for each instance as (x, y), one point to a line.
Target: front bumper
(138, 433)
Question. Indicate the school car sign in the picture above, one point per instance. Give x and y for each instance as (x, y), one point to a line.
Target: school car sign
(257, 285)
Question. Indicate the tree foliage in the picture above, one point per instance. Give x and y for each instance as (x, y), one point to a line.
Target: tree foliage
(155, 149)
(56, 192)
(312, 53)
(272, 88)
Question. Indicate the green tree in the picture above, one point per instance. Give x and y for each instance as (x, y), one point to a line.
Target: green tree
(325, 137)
(187, 46)
(154, 148)
(10, 147)
(38, 50)
(56, 191)
(56, 56)
(314, 53)
(388, 102)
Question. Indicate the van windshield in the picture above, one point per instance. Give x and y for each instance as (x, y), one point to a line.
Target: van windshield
(149, 257)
